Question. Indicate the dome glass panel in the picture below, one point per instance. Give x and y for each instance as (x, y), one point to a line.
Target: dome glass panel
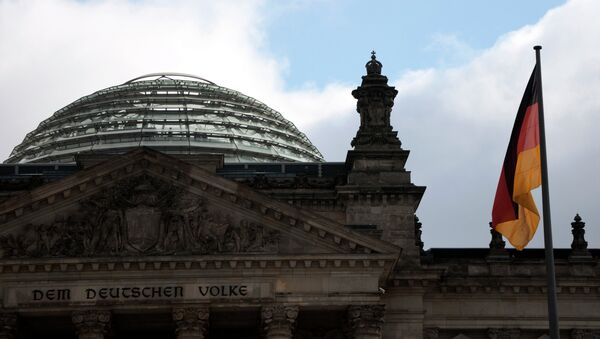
(173, 113)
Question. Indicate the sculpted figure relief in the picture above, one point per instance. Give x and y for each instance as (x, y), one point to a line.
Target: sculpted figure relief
(141, 216)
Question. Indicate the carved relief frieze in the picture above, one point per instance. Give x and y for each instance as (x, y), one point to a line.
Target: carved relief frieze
(141, 215)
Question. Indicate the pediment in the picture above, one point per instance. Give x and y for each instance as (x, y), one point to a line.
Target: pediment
(148, 203)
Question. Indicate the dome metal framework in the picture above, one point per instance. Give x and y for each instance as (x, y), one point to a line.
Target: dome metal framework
(174, 113)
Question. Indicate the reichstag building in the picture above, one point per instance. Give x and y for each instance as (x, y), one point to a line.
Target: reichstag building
(171, 207)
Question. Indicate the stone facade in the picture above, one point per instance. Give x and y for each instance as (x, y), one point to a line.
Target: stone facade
(155, 246)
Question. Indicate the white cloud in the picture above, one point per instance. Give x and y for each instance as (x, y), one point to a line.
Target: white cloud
(54, 52)
(451, 49)
(457, 121)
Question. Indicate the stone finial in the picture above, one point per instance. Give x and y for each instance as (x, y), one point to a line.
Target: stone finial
(279, 320)
(496, 243)
(373, 66)
(579, 247)
(91, 324)
(190, 322)
(497, 246)
(504, 333)
(418, 233)
(375, 99)
(8, 325)
(366, 321)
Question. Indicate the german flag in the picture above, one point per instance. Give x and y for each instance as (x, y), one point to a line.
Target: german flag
(514, 214)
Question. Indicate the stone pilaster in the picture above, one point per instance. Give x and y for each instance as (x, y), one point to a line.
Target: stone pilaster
(8, 325)
(504, 333)
(279, 321)
(366, 321)
(91, 324)
(191, 322)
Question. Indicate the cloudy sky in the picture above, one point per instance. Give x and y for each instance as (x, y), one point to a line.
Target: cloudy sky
(460, 68)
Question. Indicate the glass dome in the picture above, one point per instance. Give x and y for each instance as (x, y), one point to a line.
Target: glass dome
(170, 112)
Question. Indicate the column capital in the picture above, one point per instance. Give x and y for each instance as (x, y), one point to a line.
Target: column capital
(366, 321)
(91, 324)
(191, 322)
(279, 320)
(8, 325)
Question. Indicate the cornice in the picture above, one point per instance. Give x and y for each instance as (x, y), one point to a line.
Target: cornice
(313, 262)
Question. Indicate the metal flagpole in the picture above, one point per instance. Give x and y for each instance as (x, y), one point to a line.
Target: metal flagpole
(550, 275)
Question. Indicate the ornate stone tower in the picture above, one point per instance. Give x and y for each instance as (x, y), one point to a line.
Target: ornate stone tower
(375, 100)
(379, 192)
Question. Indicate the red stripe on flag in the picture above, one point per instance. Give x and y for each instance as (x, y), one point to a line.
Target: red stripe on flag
(529, 136)
(503, 209)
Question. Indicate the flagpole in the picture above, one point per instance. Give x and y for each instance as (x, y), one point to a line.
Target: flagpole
(550, 275)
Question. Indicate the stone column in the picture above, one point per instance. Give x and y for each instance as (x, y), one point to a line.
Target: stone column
(91, 324)
(191, 322)
(8, 325)
(366, 321)
(279, 321)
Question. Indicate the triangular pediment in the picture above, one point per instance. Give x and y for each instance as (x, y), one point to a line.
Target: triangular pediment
(149, 203)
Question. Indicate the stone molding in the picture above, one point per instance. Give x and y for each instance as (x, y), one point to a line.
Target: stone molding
(521, 288)
(191, 322)
(279, 320)
(8, 325)
(225, 262)
(366, 321)
(91, 324)
(262, 182)
(504, 333)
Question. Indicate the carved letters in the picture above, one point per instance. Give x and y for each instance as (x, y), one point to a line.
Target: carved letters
(141, 216)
